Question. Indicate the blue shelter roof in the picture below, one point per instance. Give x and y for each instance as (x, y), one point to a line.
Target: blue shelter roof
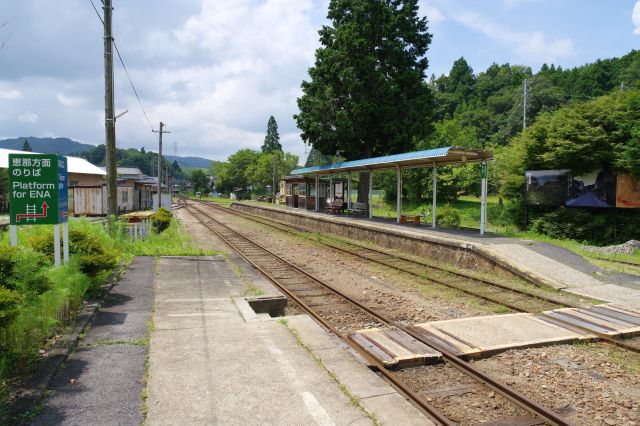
(428, 158)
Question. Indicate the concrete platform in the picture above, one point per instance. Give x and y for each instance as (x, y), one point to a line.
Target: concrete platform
(541, 263)
(213, 361)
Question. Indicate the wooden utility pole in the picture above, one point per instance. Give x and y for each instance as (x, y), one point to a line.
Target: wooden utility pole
(109, 116)
(160, 132)
(524, 107)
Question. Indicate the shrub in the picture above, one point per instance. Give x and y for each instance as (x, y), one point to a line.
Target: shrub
(7, 262)
(161, 220)
(89, 248)
(448, 217)
(94, 264)
(9, 301)
(589, 226)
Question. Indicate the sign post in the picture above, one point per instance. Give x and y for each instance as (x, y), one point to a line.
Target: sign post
(38, 193)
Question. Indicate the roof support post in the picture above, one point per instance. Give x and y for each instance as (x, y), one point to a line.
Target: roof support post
(349, 190)
(435, 192)
(483, 199)
(399, 199)
(317, 193)
(370, 194)
(331, 188)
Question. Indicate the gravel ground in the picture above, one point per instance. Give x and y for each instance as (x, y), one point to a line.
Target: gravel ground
(591, 384)
(629, 247)
(596, 383)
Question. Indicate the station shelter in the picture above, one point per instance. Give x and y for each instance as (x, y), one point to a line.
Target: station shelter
(301, 192)
(432, 158)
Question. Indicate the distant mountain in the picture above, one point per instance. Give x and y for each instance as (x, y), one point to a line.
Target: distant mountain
(60, 146)
(197, 162)
(66, 146)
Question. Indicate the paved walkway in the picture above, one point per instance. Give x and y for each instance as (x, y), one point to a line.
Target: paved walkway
(101, 383)
(214, 361)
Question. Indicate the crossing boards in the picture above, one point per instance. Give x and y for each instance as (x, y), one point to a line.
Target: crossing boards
(37, 189)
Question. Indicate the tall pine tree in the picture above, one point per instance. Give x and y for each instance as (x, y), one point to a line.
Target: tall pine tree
(272, 139)
(367, 95)
(26, 147)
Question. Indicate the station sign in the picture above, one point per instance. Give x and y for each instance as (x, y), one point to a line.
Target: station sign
(484, 171)
(36, 196)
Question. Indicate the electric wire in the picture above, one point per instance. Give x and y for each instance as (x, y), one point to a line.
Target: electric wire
(124, 67)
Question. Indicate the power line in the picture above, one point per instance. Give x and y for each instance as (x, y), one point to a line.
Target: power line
(133, 87)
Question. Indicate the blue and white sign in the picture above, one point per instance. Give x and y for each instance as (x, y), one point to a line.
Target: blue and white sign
(63, 190)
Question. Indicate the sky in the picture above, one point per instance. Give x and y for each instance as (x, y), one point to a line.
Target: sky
(215, 70)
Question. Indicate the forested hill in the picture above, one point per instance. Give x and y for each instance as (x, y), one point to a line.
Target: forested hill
(60, 146)
(95, 154)
(491, 101)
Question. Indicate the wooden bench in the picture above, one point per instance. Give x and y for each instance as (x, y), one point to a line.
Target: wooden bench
(335, 206)
(407, 218)
(358, 209)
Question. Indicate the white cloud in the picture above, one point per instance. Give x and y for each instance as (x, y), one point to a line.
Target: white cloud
(434, 15)
(70, 101)
(28, 117)
(635, 18)
(10, 94)
(530, 46)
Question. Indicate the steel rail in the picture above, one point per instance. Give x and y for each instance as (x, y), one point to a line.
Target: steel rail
(419, 400)
(409, 260)
(511, 394)
(601, 336)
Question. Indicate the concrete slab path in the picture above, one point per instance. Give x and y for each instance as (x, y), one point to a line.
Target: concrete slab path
(101, 383)
(213, 363)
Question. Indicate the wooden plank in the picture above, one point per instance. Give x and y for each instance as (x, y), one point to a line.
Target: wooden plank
(411, 343)
(373, 350)
(615, 313)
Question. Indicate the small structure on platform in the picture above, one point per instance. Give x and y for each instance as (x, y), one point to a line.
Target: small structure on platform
(138, 224)
(419, 159)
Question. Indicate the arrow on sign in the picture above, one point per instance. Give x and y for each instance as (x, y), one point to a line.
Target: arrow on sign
(25, 215)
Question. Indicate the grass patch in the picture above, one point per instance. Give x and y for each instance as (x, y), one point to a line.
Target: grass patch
(252, 290)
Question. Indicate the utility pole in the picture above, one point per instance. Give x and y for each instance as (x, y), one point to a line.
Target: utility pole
(160, 132)
(273, 176)
(524, 107)
(109, 116)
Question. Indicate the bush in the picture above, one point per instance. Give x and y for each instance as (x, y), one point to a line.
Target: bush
(90, 249)
(161, 220)
(9, 302)
(448, 217)
(589, 226)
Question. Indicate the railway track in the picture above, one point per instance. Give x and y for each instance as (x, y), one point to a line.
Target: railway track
(490, 290)
(486, 289)
(330, 307)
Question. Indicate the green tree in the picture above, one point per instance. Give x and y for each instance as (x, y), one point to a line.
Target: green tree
(231, 174)
(270, 168)
(26, 147)
(200, 181)
(272, 139)
(367, 95)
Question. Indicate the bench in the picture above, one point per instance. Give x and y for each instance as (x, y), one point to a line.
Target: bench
(406, 218)
(358, 209)
(335, 206)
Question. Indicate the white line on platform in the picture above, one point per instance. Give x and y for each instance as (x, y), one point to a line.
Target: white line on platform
(200, 314)
(316, 410)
